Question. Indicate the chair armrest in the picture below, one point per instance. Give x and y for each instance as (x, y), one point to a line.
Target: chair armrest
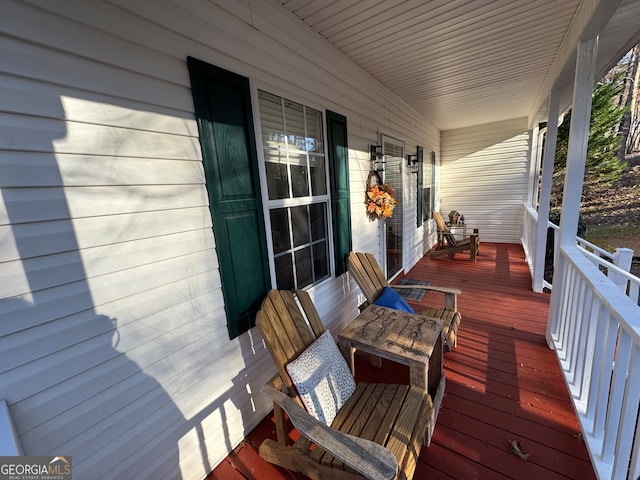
(277, 383)
(450, 294)
(452, 291)
(366, 457)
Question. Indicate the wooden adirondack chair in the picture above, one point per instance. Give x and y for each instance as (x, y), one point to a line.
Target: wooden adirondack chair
(368, 275)
(376, 434)
(449, 246)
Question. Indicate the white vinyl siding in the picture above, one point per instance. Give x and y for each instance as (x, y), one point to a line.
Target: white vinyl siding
(484, 176)
(114, 346)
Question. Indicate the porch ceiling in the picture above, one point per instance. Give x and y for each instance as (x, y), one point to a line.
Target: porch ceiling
(463, 62)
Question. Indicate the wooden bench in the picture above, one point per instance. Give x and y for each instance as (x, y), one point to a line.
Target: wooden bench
(376, 434)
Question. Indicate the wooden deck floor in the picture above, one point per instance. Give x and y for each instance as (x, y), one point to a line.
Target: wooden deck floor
(503, 383)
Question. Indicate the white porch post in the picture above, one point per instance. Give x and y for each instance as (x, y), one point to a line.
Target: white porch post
(578, 138)
(536, 194)
(534, 166)
(623, 259)
(545, 191)
(576, 158)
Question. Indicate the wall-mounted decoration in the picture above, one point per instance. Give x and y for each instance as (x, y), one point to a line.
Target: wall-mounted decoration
(381, 198)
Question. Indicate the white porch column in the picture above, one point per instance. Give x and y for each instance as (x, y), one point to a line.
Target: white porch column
(534, 165)
(545, 190)
(578, 138)
(576, 158)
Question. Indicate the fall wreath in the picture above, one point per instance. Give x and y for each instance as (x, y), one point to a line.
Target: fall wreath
(381, 199)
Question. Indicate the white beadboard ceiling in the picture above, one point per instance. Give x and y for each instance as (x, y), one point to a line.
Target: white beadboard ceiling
(459, 62)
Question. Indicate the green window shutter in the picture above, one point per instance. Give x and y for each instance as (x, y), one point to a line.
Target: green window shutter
(432, 192)
(338, 152)
(222, 104)
(420, 180)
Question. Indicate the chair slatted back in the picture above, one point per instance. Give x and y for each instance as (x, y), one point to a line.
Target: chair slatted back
(442, 226)
(310, 311)
(367, 274)
(443, 229)
(285, 329)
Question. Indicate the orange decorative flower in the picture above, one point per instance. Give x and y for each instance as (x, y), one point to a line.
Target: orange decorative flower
(381, 200)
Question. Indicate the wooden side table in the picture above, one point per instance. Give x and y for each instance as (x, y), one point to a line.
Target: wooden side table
(402, 337)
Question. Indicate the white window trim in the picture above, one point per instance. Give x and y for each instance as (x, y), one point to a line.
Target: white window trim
(382, 137)
(267, 203)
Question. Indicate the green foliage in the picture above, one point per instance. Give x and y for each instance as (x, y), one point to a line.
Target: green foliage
(604, 141)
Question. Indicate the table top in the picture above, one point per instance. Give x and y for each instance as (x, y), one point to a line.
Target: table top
(462, 226)
(396, 335)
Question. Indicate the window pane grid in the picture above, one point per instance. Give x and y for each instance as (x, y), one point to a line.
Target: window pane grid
(295, 166)
(286, 146)
(293, 133)
(302, 258)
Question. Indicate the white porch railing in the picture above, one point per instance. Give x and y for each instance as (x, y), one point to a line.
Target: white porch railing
(595, 330)
(528, 238)
(594, 326)
(616, 265)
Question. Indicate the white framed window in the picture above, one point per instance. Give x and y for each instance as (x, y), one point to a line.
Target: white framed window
(297, 195)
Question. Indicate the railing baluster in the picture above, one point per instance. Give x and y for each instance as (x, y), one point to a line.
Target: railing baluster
(597, 366)
(603, 386)
(634, 464)
(629, 413)
(584, 351)
(565, 312)
(634, 292)
(616, 397)
(554, 321)
(577, 331)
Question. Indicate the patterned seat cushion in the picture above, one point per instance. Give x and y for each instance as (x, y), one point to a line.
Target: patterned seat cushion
(322, 378)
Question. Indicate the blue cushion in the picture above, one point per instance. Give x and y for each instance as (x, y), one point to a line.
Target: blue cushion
(391, 299)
